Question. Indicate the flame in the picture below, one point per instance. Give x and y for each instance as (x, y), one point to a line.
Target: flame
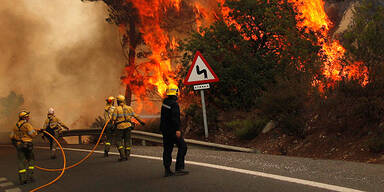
(312, 16)
(154, 72)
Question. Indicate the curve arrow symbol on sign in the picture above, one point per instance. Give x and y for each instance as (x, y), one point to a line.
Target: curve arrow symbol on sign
(201, 72)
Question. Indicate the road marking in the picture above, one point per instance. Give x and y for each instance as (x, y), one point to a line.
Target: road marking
(6, 184)
(2, 179)
(13, 190)
(243, 171)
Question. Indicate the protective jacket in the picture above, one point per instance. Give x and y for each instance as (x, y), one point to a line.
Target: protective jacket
(108, 112)
(170, 117)
(23, 131)
(52, 122)
(122, 116)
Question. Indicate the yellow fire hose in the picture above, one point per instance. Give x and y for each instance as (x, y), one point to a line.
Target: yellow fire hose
(63, 169)
(82, 160)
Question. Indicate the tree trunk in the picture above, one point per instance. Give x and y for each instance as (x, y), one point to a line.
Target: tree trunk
(133, 41)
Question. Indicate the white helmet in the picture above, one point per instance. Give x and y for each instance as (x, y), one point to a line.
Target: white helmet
(51, 111)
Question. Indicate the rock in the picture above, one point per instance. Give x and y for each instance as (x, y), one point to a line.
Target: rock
(270, 125)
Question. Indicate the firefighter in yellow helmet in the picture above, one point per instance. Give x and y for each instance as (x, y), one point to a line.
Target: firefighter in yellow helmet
(108, 112)
(54, 126)
(170, 128)
(122, 120)
(21, 137)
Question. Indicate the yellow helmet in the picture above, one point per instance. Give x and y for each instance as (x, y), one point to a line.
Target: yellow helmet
(24, 114)
(110, 99)
(120, 98)
(172, 89)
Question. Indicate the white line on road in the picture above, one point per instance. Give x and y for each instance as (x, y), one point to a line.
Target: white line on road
(6, 184)
(244, 171)
(13, 190)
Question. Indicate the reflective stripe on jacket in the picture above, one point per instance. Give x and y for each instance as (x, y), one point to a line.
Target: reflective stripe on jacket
(23, 131)
(122, 116)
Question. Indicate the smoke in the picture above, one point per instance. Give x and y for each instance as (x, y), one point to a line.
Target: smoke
(59, 54)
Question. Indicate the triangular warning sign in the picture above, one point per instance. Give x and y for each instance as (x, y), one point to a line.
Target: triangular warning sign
(200, 72)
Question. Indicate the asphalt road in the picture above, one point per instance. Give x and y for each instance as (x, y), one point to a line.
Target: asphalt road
(144, 172)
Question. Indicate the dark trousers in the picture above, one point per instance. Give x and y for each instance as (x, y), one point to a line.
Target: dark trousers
(108, 137)
(26, 160)
(168, 143)
(124, 142)
(52, 143)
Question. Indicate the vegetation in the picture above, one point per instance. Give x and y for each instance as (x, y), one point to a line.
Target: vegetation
(266, 64)
(247, 128)
(254, 55)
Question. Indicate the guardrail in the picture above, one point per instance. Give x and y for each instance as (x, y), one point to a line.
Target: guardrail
(157, 138)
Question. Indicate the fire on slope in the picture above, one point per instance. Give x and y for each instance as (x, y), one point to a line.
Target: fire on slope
(156, 72)
(312, 16)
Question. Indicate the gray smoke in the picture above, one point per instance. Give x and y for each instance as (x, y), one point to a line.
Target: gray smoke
(59, 54)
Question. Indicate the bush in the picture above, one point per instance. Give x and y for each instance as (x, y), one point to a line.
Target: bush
(288, 104)
(194, 117)
(376, 145)
(152, 126)
(248, 128)
(352, 108)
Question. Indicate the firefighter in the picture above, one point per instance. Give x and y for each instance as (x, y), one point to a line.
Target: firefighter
(108, 112)
(170, 128)
(54, 126)
(21, 137)
(122, 120)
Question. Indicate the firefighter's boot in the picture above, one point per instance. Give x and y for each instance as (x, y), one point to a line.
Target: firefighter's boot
(127, 152)
(122, 154)
(168, 172)
(22, 176)
(29, 176)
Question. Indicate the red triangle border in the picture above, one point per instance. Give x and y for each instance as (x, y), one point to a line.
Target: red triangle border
(198, 54)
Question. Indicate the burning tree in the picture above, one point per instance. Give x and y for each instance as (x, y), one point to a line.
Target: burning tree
(149, 31)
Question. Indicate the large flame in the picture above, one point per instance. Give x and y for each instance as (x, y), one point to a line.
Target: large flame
(155, 73)
(312, 16)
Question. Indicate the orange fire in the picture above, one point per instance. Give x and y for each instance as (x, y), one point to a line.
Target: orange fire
(155, 73)
(312, 16)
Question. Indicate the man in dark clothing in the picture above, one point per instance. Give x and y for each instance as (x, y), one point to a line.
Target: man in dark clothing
(170, 128)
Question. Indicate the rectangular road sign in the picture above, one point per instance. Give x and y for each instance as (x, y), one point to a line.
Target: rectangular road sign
(201, 87)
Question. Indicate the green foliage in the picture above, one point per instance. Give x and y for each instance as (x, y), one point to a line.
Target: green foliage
(376, 145)
(365, 38)
(247, 60)
(10, 106)
(194, 114)
(352, 108)
(152, 126)
(287, 103)
(248, 128)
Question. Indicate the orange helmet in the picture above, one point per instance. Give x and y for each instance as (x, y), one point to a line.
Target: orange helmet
(110, 99)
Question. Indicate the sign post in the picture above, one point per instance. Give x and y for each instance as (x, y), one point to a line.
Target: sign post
(204, 113)
(199, 75)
